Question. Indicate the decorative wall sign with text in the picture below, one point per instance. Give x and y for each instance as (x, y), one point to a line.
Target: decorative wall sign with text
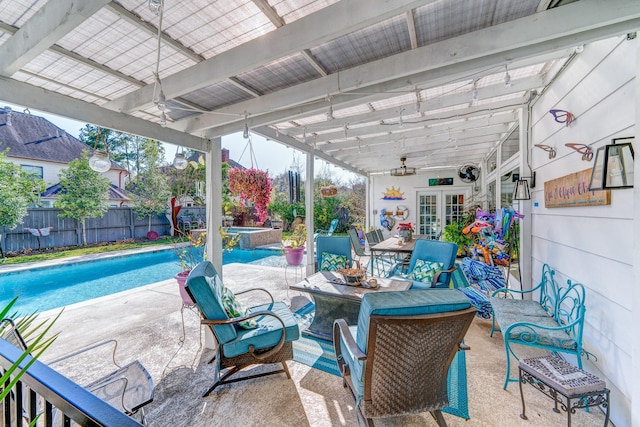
(573, 190)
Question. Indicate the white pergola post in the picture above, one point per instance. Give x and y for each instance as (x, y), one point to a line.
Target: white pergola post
(214, 205)
(213, 188)
(634, 399)
(308, 201)
(525, 205)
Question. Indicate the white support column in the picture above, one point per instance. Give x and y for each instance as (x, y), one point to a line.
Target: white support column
(213, 188)
(525, 205)
(214, 205)
(308, 200)
(634, 399)
(367, 203)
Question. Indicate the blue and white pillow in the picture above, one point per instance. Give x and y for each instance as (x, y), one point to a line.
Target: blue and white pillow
(425, 271)
(332, 262)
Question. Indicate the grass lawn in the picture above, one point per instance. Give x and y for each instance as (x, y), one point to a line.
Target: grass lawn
(57, 253)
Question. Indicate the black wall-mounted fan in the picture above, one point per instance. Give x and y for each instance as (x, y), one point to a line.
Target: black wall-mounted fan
(469, 173)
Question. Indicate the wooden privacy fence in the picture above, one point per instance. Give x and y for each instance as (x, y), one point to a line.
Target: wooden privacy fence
(116, 224)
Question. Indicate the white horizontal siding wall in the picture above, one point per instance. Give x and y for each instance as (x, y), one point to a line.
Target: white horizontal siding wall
(410, 186)
(592, 245)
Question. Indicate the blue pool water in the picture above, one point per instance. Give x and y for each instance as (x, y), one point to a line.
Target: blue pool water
(47, 288)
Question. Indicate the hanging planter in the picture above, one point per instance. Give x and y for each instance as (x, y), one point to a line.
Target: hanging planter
(329, 191)
(252, 186)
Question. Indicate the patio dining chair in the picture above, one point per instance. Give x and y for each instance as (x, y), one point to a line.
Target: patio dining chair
(329, 232)
(431, 264)
(428, 326)
(258, 335)
(334, 253)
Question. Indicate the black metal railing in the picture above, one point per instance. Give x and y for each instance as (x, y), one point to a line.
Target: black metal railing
(43, 391)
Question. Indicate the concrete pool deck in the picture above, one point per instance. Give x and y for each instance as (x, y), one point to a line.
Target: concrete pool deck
(146, 322)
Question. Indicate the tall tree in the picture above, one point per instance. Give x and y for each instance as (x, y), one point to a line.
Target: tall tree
(84, 193)
(17, 191)
(125, 149)
(150, 187)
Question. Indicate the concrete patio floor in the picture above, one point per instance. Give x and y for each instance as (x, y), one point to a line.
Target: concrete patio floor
(147, 324)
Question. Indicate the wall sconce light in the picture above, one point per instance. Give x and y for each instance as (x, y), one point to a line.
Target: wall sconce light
(562, 116)
(521, 190)
(585, 150)
(100, 161)
(551, 150)
(613, 167)
(180, 162)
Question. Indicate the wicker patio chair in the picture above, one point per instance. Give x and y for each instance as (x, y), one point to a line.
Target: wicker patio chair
(262, 334)
(396, 360)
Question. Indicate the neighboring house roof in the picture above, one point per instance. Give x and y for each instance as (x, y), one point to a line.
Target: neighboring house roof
(32, 137)
(225, 158)
(115, 193)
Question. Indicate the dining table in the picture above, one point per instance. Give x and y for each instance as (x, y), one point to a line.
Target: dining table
(398, 250)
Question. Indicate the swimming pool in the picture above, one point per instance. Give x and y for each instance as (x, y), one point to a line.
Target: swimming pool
(43, 289)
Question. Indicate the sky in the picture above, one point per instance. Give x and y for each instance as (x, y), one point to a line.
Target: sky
(268, 155)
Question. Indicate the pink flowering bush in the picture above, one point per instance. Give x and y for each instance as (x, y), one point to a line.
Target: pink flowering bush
(253, 186)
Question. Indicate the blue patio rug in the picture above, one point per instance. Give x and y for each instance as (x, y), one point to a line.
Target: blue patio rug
(319, 354)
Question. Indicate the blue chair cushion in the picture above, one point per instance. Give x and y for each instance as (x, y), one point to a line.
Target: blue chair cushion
(406, 303)
(206, 288)
(267, 332)
(333, 262)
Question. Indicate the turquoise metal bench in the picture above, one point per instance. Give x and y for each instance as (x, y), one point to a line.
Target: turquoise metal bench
(554, 322)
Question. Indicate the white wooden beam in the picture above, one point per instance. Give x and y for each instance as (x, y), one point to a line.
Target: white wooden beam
(412, 29)
(445, 61)
(240, 85)
(306, 53)
(137, 21)
(326, 24)
(61, 105)
(269, 133)
(269, 12)
(445, 101)
(50, 23)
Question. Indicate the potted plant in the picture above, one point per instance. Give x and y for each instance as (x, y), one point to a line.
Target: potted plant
(294, 246)
(189, 255)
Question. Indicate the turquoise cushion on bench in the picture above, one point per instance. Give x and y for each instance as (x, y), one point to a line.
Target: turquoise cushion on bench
(267, 332)
(518, 306)
(558, 339)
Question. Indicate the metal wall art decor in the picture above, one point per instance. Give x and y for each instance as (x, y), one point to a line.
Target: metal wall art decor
(393, 194)
(563, 116)
(547, 148)
(585, 150)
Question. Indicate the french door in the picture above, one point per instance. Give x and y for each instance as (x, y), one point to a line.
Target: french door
(437, 209)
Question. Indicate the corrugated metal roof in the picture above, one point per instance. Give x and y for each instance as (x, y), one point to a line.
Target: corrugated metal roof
(314, 74)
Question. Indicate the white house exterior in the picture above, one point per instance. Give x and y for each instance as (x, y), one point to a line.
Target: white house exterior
(43, 149)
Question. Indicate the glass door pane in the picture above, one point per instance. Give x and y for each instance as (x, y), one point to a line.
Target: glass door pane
(454, 207)
(428, 223)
